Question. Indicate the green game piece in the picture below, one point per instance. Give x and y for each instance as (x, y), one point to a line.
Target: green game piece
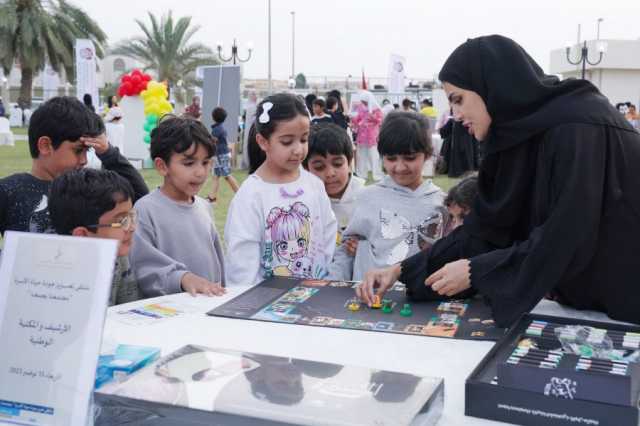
(406, 310)
(387, 308)
(585, 350)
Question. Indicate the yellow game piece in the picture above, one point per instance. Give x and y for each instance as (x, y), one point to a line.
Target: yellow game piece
(353, 306)
(376, 303)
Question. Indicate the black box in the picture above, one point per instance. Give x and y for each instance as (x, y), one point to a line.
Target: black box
(496, 390)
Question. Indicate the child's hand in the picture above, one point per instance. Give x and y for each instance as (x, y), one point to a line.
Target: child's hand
(194, 284)
(99, 143)
(380, 279)
(351, 245)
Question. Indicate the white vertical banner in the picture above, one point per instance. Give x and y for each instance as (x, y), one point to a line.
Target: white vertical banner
(86, 70)
(50, 82)
(396, 73)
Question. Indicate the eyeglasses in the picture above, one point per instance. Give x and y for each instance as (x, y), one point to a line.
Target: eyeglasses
(126, 223)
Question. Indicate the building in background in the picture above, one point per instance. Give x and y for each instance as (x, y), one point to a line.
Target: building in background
(617, 75)
(109, 71)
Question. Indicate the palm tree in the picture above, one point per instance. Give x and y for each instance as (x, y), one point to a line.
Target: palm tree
(33, 32)
(165, 48)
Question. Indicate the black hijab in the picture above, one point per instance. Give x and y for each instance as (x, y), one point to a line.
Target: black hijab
(523, 102)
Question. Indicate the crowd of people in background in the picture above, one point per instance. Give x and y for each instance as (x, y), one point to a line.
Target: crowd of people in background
(630, 112)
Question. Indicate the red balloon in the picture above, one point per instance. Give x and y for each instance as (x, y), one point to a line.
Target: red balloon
(126, 78)
(126, 88)
(136, 71)
(136, 79)
(120, 92)
(146, 77)
(144, 84)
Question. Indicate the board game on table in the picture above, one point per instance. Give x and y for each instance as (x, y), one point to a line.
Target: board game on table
(334, 304)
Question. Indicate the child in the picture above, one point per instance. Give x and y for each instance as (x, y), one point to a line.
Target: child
(459, 202)
(177, 247)
(280, 222)
(319, 113)
(400, 215)
(366, 124)
(336, 113)
(223, 155)
(60, 133)
(98, 204)
(460, 199)
(329, 158)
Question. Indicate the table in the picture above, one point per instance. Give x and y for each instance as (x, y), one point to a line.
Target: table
(452, 359)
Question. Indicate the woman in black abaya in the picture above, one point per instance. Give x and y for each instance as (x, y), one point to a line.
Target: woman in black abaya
(557, 211)
(459, 149)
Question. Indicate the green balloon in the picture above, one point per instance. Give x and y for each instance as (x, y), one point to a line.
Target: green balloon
(152, 118)
(147, 127)
(147, 138)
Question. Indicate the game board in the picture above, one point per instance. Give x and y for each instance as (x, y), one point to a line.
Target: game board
(332, 304)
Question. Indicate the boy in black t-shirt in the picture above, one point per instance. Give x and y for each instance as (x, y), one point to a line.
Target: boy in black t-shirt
(60, 132)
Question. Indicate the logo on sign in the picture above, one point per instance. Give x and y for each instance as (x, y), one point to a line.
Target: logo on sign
(86, 53)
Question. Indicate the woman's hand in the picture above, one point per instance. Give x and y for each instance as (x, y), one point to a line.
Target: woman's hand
(382, 279)
(451, 279)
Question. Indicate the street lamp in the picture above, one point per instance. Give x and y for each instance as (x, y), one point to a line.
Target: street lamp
(293, 44)
(269, 45)
(598, 32)
(584, 55)
(235, 57)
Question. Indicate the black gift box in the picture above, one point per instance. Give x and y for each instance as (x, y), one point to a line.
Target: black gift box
(524, 394)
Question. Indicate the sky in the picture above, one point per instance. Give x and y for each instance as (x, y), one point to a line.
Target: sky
(340, 37)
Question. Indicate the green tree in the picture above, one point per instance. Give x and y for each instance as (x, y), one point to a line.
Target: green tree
(166, 49)
(33, 32)
(301, 81)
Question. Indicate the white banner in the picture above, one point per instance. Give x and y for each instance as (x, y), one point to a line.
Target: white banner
(53, 296)
(50, 82)
(86, 70)
(396, 74)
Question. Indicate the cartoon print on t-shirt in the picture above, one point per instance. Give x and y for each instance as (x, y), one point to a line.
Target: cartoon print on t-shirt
(39, 221)
(393, 225)
(289, 231)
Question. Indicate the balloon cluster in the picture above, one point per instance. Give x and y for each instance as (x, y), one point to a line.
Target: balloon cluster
(155, 106)
(154, 96)
(134, 83)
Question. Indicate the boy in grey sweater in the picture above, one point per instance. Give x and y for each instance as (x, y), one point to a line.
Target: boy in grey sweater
(176, 246)
(403, 213)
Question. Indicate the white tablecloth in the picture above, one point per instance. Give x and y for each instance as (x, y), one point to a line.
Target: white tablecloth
(452, 359)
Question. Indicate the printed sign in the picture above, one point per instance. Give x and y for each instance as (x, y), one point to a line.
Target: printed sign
(53, 296)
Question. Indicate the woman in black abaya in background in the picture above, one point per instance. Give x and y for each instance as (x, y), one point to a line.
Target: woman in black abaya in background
(459, 150)
(558, 209)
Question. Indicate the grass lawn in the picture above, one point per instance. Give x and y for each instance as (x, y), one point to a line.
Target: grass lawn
(16, 159)
(19, 130)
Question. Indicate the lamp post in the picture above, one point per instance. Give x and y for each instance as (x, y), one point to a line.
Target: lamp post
(270, 86)
(598, 32)
(235, 57)
(584, 55)
(293, 44)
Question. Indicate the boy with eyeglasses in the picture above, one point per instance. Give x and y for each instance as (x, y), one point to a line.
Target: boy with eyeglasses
(98, 204)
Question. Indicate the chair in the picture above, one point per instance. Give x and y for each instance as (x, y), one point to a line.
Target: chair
(6, 135)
